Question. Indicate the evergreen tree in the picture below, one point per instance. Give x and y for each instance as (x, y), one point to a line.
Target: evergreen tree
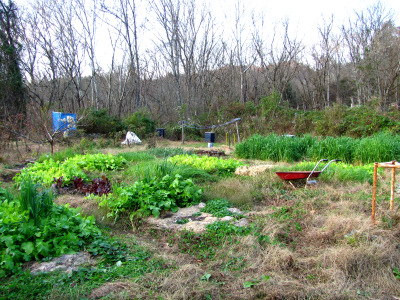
(11, 83)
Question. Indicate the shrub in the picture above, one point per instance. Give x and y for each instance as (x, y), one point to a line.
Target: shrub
(141, 124)
(99, 121)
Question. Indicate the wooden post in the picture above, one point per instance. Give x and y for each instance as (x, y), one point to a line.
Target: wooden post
(392, 187)
(237, 129)
(374, 193)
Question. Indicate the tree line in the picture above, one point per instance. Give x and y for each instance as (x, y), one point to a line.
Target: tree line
(176, 59)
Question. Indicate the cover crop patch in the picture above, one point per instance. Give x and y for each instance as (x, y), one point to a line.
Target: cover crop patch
(209, 164)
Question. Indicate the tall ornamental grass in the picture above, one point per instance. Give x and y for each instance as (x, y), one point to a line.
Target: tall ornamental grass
(274, 147)
(381, 147)
(377, 148)
(333, 148)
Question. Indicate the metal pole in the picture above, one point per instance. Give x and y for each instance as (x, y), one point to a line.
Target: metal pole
(237, 129)
(183, 133)
(374, 193)
(392, 187)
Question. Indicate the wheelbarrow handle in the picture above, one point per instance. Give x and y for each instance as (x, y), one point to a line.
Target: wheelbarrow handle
(309, 176)
(333, 160)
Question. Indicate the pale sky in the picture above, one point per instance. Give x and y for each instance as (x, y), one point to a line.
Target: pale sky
(304, 17)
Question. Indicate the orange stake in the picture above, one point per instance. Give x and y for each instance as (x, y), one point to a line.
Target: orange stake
(392, 187)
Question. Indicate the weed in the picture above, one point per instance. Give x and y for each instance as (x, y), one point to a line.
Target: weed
(396, 273)
(219, 208)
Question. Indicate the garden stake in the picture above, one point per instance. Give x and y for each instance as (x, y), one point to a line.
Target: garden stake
(393, 165)
(392, 187)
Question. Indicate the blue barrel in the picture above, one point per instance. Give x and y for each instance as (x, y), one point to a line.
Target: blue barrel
(210, 137)
(160, 132)
(60, 121)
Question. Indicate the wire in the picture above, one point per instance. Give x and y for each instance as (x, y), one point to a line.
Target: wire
(200, 127)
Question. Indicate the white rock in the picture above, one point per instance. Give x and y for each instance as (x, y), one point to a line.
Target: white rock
(201, 205)
(226, 218)
(234, 210)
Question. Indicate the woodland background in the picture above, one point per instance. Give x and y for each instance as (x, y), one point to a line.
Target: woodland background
(192, 69)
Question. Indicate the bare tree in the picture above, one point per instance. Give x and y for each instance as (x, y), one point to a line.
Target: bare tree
(359, 36)
(280, 60)
(87, 16)
(125, 12)
(167, 15)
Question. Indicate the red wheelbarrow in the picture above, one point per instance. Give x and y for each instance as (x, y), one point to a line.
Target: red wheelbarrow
(295, 175)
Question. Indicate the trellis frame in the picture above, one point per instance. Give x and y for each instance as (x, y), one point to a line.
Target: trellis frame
(391, 165)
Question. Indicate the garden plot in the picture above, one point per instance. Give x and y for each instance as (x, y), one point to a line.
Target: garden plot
(299, 243)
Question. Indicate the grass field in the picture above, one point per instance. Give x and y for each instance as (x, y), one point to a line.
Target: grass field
(315, 242)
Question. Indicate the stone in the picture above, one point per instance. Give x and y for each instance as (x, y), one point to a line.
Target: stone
(235, 210)
(242, 222)
(66, 263)
(226, 218)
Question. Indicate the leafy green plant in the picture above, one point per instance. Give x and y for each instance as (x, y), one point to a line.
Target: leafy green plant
(206, 276)
(219, 208)
(145, 198)
(34, 228)
(46, 171)
(182, 221)
(110, 250)
(209, 164)
(396, 273)
(251, 283)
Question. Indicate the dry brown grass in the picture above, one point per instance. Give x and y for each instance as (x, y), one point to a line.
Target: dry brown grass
(240, 191)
